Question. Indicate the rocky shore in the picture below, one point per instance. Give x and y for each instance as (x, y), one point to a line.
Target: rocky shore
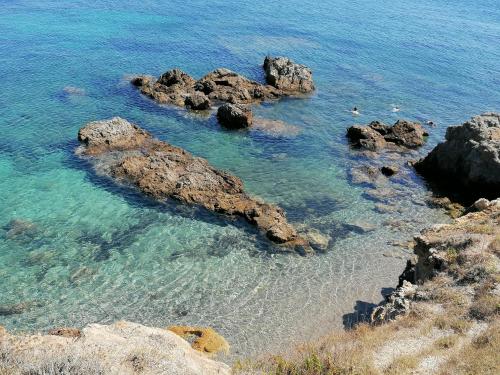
(443, 318)
(130, 155)
(121, 348)
(467, 163)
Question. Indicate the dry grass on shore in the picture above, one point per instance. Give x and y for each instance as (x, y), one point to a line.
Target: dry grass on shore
(453, 327)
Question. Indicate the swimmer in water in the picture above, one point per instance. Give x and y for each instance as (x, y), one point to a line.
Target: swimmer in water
(431, 123)
(355, 111)
(395, 108)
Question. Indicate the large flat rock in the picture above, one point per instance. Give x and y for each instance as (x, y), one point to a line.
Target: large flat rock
(122, 348)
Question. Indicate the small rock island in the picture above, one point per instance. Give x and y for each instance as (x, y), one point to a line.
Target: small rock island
(175, 87)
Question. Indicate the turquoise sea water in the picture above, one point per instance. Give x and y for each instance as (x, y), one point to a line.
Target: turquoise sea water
(96, 252)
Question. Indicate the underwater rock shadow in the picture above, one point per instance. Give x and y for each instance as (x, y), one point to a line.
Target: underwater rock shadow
(362, 311)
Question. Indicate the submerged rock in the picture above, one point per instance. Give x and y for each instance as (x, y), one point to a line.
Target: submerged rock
(366, 174)
(120, 348)
(225, 86)
(73, 90)
(376, 136)
(13, 309)
(468, 161)
(235, 116)
(131, 155)
(284, 74)
(206, 340)
(275, 128)
(20, 228)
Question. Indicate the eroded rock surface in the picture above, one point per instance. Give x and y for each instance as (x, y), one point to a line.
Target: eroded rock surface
(284, 74)
(376, 136)
(122, 348)
(469, 158)
(131, 155)
(222, 85)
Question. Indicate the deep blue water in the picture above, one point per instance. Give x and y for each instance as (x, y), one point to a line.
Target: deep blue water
(96, 252)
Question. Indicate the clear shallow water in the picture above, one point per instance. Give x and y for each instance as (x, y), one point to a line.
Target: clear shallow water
(100, 252)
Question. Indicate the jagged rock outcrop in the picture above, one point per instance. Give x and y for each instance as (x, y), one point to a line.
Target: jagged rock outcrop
(178, 88)
(376, 136)
(395, 304)
(284, 74)
(131, 155)
(122, 348)
(469, 158)
(366, 138)
(235, 116)
(466, 251)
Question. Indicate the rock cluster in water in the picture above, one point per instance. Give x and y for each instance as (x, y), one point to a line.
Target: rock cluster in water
(119, 348)
(129, 154)
(376, 136)
(178, 88)
(469, 158)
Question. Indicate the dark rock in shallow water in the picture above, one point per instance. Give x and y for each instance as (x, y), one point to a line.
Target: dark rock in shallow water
(131, 155)
(234, 116)
(284, 74)
(223, 85)
(389, 170)
(469, 159)
(366, 174)
(376, 136)
(16, 308)
(197, 101)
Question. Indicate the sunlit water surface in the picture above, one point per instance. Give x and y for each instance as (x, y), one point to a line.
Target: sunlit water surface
(97, 252)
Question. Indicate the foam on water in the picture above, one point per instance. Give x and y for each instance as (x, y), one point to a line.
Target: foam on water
(99, 252)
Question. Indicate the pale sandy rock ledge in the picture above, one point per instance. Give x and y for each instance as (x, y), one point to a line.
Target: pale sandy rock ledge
(121, 348)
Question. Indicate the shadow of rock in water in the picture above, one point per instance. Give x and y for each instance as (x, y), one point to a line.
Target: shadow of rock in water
(362, 311)
(361, 314)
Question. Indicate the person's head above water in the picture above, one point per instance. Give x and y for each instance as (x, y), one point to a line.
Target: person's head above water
(355, 109)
